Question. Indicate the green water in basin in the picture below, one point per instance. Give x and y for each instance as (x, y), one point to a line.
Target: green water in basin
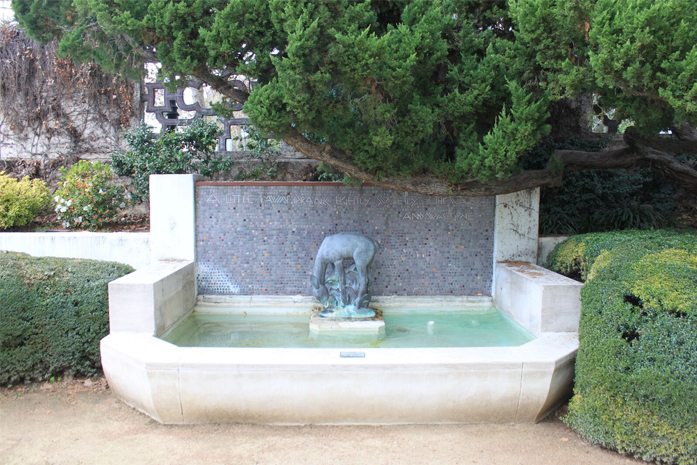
(480, 328)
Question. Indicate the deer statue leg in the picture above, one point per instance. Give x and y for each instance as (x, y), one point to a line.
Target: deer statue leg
(339, 267)
(362, 269)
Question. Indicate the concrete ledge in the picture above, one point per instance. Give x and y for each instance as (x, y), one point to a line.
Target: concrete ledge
(152, 299)
(441, 303)
(300, 386)
(305, 304)
(129, 248)
(257, 303)
(537, 299)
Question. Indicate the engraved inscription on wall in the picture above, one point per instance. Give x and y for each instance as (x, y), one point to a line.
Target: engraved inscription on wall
(262, 239)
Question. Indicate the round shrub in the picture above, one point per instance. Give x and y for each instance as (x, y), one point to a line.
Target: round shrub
(53, 313)
(87, 197)
(20, 201)
(636, 369)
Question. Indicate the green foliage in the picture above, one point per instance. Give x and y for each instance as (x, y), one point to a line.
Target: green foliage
(87, 198)
(328, 174)
(636, 383)
(601, 200)
(20, 201)
(647, 46)
(44, 18)
(261, 150)
(54, 312)
(512, 135)
(454, 88)
(594, 201)
(555, 34)
(191, 151)
(576, 255)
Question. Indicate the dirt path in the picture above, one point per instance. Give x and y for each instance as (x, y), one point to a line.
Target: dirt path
(70, 423)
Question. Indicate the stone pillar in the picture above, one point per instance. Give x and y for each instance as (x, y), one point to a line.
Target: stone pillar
(172, 217)
(516, 227)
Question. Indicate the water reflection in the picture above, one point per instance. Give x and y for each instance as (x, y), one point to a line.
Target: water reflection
(424, 328)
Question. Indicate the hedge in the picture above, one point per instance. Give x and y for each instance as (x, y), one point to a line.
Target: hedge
(636, 368)
(53, 313)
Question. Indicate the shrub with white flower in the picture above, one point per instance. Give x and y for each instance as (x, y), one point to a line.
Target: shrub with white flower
(87, 198)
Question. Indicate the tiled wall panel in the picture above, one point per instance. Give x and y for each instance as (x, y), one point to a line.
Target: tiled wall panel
(262, 239)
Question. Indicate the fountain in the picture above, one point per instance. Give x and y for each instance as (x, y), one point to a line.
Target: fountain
(183, 350)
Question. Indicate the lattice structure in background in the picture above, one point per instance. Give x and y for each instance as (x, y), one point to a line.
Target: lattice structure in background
(167, 113)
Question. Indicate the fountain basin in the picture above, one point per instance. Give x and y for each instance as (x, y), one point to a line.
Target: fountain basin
(299, 386)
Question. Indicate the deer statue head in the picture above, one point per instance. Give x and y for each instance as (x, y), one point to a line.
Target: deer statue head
(319, 290)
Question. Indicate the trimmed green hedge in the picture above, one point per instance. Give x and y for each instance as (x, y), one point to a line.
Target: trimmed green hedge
(636, 369)
(53, 313)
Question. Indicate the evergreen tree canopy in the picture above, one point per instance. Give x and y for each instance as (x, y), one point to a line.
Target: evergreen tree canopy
(434, 96)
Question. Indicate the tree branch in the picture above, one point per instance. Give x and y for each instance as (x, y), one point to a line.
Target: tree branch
(422, 184)
(638, 152)
(146, 52)
(685, 132)
(658, 160)
(222, 85)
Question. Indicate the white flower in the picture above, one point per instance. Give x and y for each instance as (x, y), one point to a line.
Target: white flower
(69, 203)
(57, 198)
(128, 196)
(65, 224)
(78, 219)
(101, 191)
(86, 208)
(63, 209)
(123, 205)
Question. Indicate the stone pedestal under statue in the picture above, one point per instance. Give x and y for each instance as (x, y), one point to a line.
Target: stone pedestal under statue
(373, 328)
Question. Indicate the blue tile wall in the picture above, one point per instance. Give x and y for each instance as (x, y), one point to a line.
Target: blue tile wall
(262, 239)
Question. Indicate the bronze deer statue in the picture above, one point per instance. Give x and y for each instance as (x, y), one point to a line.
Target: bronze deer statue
(333, 251)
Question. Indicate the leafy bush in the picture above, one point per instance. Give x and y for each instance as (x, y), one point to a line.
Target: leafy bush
(53, 314)
(596, 200)
(636, 369)
(262, 150)
(87, 197)
(20, 201)
(601, 200)
(189, 152)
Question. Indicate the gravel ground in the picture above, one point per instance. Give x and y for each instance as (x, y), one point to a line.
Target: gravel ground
(81, 422)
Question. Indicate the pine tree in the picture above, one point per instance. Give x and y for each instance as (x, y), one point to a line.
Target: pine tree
(433, 96)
